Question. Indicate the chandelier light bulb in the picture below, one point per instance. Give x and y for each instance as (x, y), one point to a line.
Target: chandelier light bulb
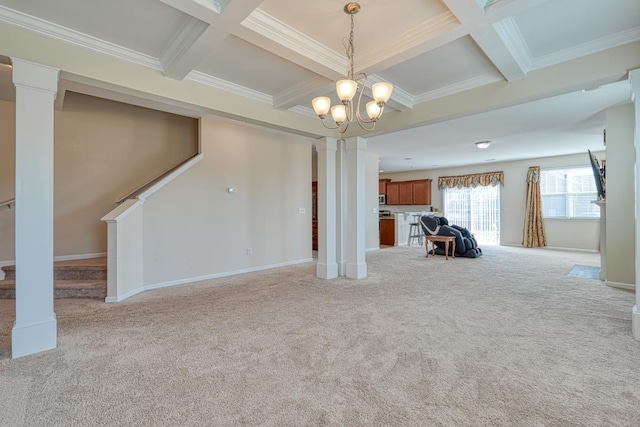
(321, 105)
(339, 113)
(373, 110)
(346, 89)
(381, 92)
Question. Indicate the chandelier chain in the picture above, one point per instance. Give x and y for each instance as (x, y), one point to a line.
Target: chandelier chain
(350, 50)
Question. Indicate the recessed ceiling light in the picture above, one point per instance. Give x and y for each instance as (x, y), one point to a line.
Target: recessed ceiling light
(483, 144)
(408, 158)
(490, 160)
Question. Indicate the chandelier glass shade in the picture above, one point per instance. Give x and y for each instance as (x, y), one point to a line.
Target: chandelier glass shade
(350, 87)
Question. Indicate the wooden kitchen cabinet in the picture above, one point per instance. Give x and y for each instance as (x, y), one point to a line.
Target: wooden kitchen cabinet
(382, 186)
(388, 231)
(416, 192)
(422, 192)
(405, 193)
(393, 194)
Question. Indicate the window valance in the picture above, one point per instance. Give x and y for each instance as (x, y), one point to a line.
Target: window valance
(484, 179)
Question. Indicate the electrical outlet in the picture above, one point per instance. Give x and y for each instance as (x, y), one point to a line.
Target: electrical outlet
(249, 251)
(301, 210)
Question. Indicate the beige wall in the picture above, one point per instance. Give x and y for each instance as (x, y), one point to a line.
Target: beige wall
(7, 177)
(372, 230)
(193, 227)
(620, 198)
(103, 150)
(577, 234)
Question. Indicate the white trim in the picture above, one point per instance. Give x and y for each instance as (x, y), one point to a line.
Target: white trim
(205, 277)
(374, 249)
(305, 111)
(67, 35)
(167, 179)
(452, 89)
(122, 210)
(510, 34)
(619, 285)
(635, 322)
(125, 296)
(208, 80)
(604, 43)
(79, 256)
(558, 248)
(266, 25)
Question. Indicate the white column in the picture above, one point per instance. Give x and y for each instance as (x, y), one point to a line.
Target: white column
(35, 328)
(356, 221)
(634, 78)
(342, 208)
(326, 268)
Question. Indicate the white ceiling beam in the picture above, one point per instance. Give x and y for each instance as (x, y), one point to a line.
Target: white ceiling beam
(503, 45)
(297, 94)
(204, 10)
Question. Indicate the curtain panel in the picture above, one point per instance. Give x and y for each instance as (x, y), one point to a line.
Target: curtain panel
(533, 235)
(471, 181)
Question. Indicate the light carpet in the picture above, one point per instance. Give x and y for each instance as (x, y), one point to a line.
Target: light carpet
(507, 339)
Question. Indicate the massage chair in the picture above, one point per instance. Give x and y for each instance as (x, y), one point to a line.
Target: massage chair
(466, 245)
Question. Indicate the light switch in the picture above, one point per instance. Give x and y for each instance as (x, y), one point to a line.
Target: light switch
(301, 210)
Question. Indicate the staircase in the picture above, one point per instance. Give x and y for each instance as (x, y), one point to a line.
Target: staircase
(85, 278)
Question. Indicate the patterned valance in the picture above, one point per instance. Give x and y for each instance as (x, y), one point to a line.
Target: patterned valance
(484, 179)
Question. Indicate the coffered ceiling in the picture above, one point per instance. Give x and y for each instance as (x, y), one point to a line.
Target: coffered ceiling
(442, 56)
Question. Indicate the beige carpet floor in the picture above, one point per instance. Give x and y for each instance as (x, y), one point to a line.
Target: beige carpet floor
(503, 340)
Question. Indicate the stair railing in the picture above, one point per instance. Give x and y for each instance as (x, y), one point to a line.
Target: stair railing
(133, 194)
(7, 204)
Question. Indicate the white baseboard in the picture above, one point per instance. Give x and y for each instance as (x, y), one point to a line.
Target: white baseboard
(553, 248)
(205, 277)
(125, 296)
(619, 285)
(635, 322)
(80, 256)
(372, 249)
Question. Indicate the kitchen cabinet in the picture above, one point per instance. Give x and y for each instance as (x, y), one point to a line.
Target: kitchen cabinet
(387, 231)
(416, 192)
(405, 193)
(422, 192)
(382, 186)
(393, 195)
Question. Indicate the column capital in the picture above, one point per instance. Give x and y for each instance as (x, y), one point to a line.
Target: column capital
(34, 76)
(634, 79)
(327, 144)
(356, 143)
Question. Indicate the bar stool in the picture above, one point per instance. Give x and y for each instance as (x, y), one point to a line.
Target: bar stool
(415, 230)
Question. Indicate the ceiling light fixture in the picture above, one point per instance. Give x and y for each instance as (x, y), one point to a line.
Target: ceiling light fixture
(483, 144)
(347, 88)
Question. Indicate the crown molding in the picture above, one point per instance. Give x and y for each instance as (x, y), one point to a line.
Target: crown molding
(287, 36)
(510, 34)
(471, 83)
(220, 5)
(305, 111)
(401, 100)
(67, 35)
(182, 41)
(413, 37)
(595, 46)
(291, 96)
(209, 80)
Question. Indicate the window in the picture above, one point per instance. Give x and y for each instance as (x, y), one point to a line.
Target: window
(568, 193)
(476, 209)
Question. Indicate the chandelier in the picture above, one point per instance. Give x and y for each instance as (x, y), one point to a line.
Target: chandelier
(347, 88)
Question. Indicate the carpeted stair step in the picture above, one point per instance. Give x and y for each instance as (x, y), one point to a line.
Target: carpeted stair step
(67, 272)
(95, 288)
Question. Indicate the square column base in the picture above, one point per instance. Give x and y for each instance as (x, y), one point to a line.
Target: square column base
(635, 322)
(34, 338)
(327, 271)
(357, 271)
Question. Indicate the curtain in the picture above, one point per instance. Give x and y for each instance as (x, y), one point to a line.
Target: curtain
(471, 181)
(533, 235)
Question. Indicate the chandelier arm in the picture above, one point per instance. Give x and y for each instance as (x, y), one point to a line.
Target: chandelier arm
(324, 123)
